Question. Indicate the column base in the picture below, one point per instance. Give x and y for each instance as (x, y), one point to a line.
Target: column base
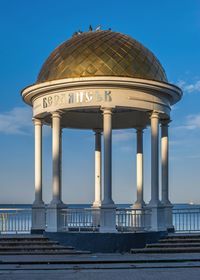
(157, 217)
(138, 205)
(168, 219)
(38, 217)
(171, 230)
(108, 219)
(156, 203)
(96, 204)
(37, 231)
(55, 219)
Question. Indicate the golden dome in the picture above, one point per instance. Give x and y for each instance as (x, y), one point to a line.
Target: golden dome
(101, 53)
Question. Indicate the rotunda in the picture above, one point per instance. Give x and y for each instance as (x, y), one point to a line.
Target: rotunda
(103, 80)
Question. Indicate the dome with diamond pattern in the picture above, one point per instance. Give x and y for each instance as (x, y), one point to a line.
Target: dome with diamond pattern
(101, 53)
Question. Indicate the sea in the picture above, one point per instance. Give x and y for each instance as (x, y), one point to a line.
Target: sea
(175, 205)
(28, 206)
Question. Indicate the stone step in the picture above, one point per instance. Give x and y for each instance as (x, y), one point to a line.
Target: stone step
(45, 252)
(25, 235)
(165, 250)
(179, 240)
(18, 239)
(35, 247)
(172, 245)
(28, 243)
(183, 236)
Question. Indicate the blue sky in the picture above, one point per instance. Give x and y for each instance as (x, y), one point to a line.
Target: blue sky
(30, 30)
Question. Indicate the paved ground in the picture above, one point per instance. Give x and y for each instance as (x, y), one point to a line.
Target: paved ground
(126, 274)
(101, 266)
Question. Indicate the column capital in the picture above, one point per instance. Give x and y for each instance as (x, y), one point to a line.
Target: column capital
(154, 115)
(140, 129)
(97, 131)
(165, 122)
(37, 121)
(107, 110)
(56, 114)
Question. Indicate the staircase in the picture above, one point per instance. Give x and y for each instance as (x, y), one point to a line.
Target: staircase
(34, 245)
(175, 243)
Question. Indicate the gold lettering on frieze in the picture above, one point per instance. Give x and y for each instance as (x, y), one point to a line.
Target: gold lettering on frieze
(76, 98)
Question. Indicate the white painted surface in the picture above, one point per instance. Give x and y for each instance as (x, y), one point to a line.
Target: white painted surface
(139, 170)
(98, 173)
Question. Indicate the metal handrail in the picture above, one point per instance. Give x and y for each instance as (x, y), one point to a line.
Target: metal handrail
(186, 219)
(80, 219)
(128, 219)
(15, 220)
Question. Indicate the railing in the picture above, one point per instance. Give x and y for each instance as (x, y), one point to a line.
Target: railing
(133, 219)
(186, 220)
(88, 219)
(18, 220)
(85, 219)
(15, 220)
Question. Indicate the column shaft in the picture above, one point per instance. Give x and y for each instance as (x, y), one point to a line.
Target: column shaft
(139, 169)
(38, 207)
(154, 159)
(107, 133)
(97, 202)
(55, 220)
(56, 153)
(165, 163)
(38, 160)
(108, 210)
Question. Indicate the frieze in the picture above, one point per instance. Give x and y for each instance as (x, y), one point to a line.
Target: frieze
(76, 98)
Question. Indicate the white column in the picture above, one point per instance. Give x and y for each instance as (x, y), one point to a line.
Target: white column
(38, 207)
(154, 159)
(56, 153)
(139, 170)
(165, 162)
(54, 215)
(108, 209)
(157, 210)
(107, 133)
(38, 161)
(97, 201)
(165, 176)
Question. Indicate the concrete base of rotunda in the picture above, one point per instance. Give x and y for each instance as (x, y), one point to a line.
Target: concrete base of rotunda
(54, 216)
(97, 242)
(38, 218)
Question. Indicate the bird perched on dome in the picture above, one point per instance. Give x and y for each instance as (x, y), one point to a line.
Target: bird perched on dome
(98, 27)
